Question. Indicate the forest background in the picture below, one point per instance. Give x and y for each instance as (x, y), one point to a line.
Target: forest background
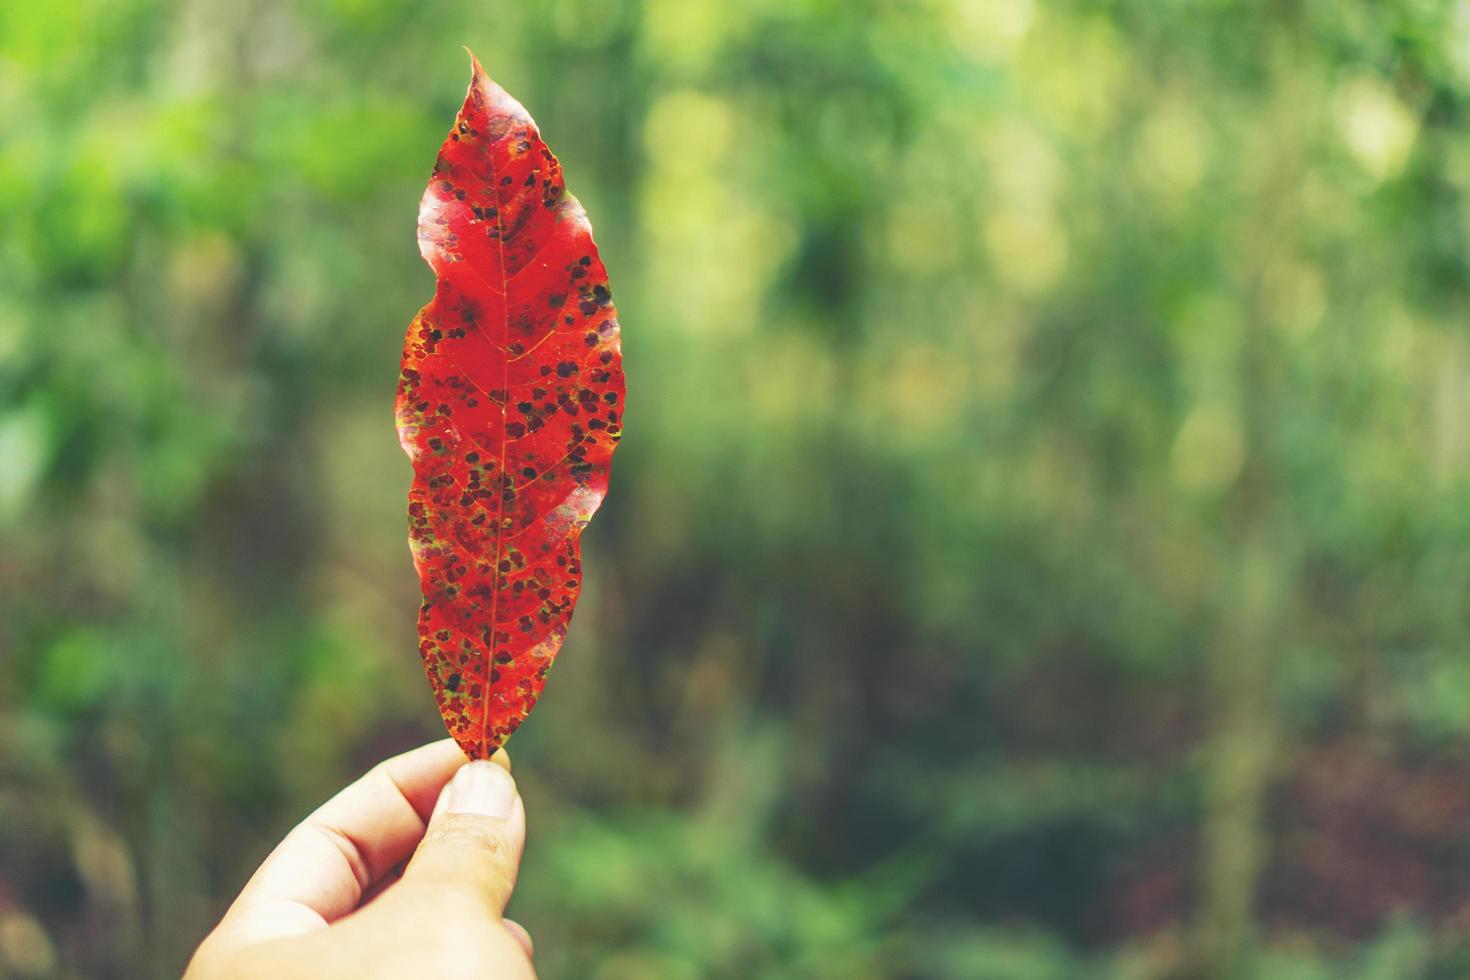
(1041, 543)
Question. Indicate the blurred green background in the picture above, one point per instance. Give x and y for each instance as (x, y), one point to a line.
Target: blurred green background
(1041, 544)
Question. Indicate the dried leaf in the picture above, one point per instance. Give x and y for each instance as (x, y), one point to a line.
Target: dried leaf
(510, 403)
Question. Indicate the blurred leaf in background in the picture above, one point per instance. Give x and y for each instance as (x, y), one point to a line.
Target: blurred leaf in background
(1041, 545)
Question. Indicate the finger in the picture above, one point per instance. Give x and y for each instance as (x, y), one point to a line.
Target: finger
(519, 933)
(391, 876)
(383, 884)
(322, 869)
(475, 839)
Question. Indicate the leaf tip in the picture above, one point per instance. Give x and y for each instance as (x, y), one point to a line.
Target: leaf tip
(477, 71)
(489, 93)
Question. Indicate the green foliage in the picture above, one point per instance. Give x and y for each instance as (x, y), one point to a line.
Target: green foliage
(1039, 547)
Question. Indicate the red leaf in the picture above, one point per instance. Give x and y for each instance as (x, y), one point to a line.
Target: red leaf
(510, 403)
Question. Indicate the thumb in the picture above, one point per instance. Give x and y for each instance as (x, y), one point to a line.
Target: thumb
(475, 836)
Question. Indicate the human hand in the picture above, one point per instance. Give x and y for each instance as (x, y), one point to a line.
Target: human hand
(329, 900)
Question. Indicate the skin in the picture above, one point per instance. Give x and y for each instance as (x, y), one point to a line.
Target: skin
(336, 899)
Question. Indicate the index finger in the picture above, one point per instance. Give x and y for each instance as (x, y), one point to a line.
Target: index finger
(326, 864)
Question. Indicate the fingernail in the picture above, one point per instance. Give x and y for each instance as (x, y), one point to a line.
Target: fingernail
(484, 788)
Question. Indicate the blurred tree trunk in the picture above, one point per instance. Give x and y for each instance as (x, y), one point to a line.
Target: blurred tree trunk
(1237, 765)
(1258, 591)
(1252, 631)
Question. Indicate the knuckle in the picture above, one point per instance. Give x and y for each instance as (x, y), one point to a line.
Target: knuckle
(470, 862)
(466, 832)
